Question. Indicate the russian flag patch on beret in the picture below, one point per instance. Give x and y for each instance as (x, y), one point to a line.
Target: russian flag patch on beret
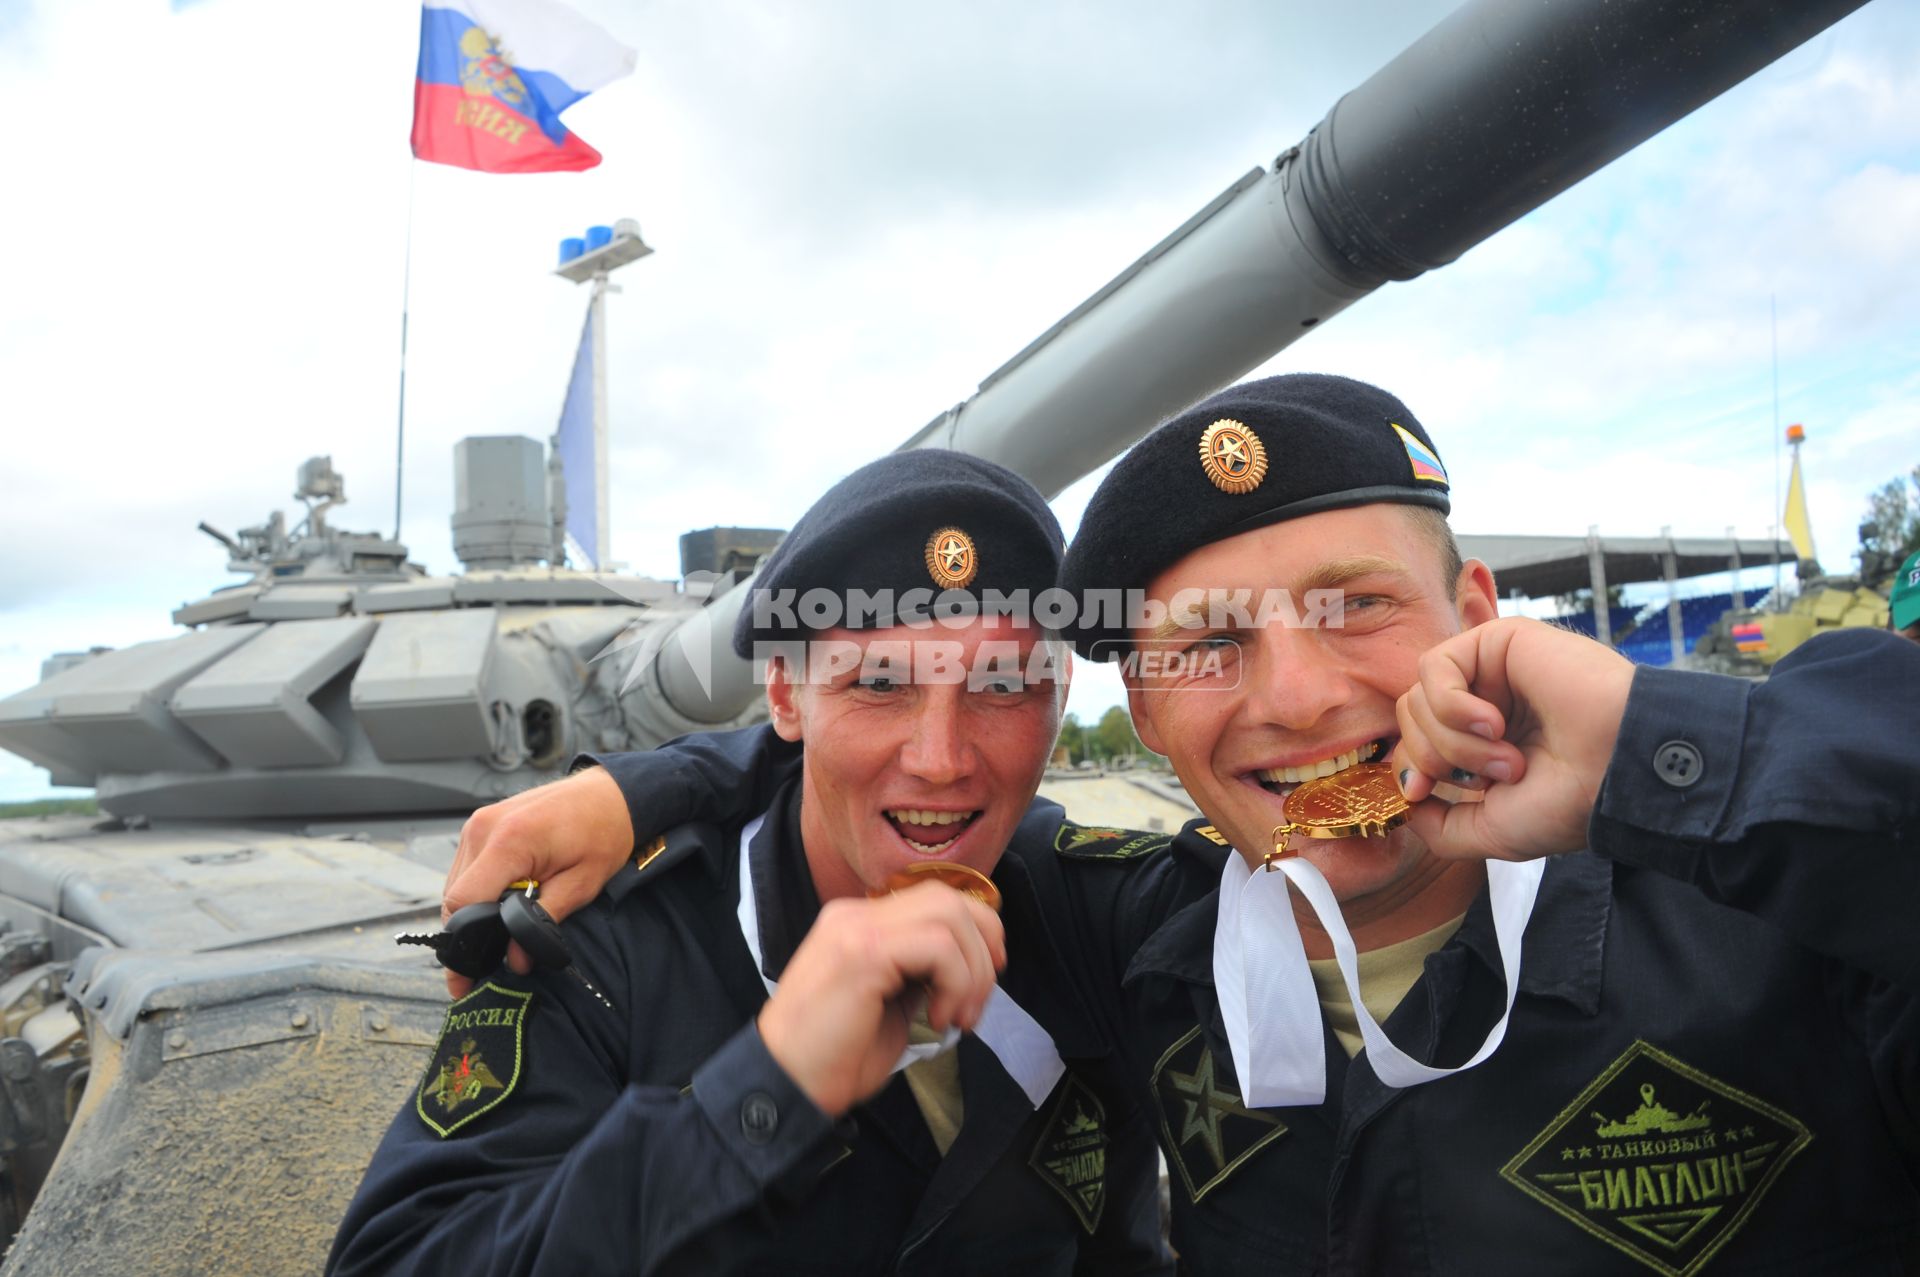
(1426, 462)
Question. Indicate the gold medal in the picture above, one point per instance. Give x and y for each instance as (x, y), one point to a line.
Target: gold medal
(967, 881)
(1360, 802)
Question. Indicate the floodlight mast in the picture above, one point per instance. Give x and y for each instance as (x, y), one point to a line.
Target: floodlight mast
(603, 251)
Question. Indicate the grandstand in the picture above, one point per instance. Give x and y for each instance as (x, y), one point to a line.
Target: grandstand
(1647, 636)
(1658, 634)
(1619, 621)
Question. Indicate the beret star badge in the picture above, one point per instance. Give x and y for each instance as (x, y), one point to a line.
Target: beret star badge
(951, 559)
(1233, 457)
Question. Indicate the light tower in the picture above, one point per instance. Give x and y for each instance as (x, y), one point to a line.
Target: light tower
(579, 452)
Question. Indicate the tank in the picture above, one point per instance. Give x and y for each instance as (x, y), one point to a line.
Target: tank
(204, 1023)
(1748, 641)
(202, 997)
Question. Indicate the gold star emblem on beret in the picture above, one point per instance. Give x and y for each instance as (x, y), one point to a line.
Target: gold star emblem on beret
(951, 559)
(1233, 456)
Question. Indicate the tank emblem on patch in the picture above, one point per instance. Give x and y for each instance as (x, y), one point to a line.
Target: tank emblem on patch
(1101, 843)
(1425, 461)
(1206, 1129)
(1659, 1159)
(1233, 456)
(952, 560)
(478, 1061)
(1071, 1155)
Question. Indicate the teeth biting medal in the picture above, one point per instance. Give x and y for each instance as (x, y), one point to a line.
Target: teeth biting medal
(1361, 802)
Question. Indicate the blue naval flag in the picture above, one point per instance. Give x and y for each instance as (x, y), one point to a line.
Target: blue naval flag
(575, 444)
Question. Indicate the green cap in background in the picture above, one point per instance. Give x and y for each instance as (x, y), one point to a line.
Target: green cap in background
(1906, 593)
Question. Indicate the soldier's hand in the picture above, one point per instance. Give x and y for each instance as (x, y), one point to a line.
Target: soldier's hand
(571, 836)
(1529, 713)
(837, 1020)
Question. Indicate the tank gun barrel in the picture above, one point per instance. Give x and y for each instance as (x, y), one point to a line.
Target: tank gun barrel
(233, 546)
(1500, 107)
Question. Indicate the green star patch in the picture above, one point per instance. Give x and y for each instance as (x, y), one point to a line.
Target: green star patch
(1659, 1159)
(1096, 842)
(1071, 1154)
(478, 1061)
(1217, 1133)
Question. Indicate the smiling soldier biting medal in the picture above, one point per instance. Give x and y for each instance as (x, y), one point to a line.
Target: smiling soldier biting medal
(855, 1044)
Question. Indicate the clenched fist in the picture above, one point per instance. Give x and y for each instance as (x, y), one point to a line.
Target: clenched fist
(1531, 712)
(569, 836)
(837, 1020)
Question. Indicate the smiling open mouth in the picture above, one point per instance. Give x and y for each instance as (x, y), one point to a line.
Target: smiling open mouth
(929, 831)
(1283, 780)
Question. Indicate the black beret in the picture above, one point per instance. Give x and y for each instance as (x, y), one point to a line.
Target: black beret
(920, 525)
(1254, 454)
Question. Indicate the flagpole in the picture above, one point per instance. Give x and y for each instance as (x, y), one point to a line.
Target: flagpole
(406, 290)
(613, 247)
(1773, 327)
(602, 488)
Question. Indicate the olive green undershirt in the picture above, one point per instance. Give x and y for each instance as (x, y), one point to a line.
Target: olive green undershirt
(1385, 977)
(935, 1084)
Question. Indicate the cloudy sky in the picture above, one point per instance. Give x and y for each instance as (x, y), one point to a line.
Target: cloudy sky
(861, 209)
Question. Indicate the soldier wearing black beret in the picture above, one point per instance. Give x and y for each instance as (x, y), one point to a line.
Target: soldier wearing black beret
(1703, 1046)
(1251, 456)
(1643, 1110)
(904, 539)
(767, 1098)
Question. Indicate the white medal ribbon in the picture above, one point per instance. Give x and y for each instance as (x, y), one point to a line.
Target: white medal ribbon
(1024, 1049)
(1266, 993)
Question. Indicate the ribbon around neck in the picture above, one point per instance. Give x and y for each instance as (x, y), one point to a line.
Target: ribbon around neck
(1025, 1050)
(1265, 987)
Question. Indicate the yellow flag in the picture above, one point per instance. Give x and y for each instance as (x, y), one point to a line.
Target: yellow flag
(1799, 528)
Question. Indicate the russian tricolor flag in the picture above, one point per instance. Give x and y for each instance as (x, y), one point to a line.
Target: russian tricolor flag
(1425, 461)
(495, 75)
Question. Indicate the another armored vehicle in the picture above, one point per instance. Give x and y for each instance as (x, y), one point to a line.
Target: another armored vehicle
(1750, 640)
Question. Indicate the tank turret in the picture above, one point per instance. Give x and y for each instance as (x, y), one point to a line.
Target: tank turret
(342, 678)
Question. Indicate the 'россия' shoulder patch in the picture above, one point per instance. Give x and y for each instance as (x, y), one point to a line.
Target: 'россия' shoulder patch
(1098, 842)
(479, 1059)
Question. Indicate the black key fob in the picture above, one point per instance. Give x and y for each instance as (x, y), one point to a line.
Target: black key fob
(474, 941)
(534, 930)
